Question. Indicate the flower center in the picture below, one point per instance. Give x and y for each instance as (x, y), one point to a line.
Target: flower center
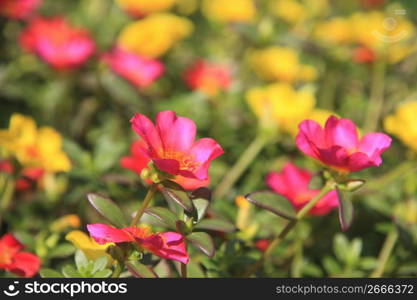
(186, 162)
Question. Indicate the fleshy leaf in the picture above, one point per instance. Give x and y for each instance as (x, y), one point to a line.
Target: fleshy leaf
(272, 202)
(176, 193)
(108, 209)
(201, 205)
(216, 225)
(164, 215)
(345, 210)
(203, 242)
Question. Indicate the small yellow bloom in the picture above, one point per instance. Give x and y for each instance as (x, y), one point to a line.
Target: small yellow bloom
(91, 248)
(281, 104)
(145, 7)
(403, 124)
(67, 221)
(34, 147)
(154, 35)
(377, 30)
(280, 64)
(334, 31)
(241, 11)
(291, 11)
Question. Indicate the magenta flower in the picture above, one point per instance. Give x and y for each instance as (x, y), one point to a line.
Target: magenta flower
(170, 144)
(292, 183)
(338, 145)
(169, 245)
(139, 71)
(58, 43)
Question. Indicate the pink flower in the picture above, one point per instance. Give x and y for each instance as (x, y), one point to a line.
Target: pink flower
(18, 9)
(169, 245)
(139, 71)
(170, 144)
(12, 259)
(207, 77)
(292, 183)
(338, 145)
(58, 43)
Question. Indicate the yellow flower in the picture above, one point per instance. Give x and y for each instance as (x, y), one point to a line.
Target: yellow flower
(378, 30)
(67, 221)
(334, 31)
(403, 124)
(241, 11)
(91, 248)
(279, 103)
(154, 35)
(34, 147)
(280, 64)
(243, 212)
(291, 11)
(145, 7)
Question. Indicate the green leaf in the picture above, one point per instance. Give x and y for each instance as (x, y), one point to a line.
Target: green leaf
(81, 260)
(49, 273)
(139, 270)
(103, 274)
(216, 225)
(164, 215)
(62, 250)
(202, 192)
(70, 272)
(272, 202)
(201, 205)
(176, 193)
(203, 242)
(100, 264)
(345, 210)
(108, 209)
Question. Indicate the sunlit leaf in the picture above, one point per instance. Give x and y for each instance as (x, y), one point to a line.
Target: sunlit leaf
(108, 209)
(168, 218)
(272, 202)
(345, 209)
(203, 242)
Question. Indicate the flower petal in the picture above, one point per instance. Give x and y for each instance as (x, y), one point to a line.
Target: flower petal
(204, 151)
(341, 132)
(310, 137)
(169, 245)
(177, 133)
(374, 144)
(25, 264)
(103, 234)
(147, 131)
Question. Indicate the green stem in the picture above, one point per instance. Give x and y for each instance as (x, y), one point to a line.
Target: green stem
(183, 270)
(144, 205)
(385, 253)
(376, 102)
(117, 271)
(290, 225)
(241, 165)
